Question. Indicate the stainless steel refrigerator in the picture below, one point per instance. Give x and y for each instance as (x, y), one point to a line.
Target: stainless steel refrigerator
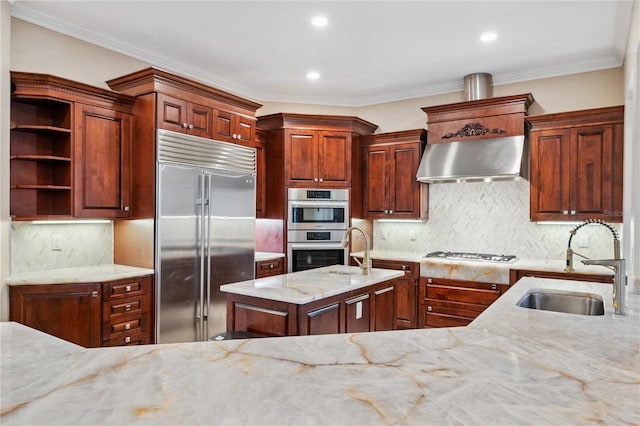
(205, 232)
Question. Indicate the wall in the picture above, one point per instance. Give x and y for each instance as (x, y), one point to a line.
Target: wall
(631, 249)
(5, 79)
(82, 244)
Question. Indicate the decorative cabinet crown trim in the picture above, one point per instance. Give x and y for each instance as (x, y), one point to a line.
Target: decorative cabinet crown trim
(316, 122)
(596, 116)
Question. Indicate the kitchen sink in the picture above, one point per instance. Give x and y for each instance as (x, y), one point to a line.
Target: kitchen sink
(563, 301)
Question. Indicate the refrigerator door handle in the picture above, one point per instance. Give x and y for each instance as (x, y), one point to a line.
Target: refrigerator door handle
(203, 240)
(207, 287)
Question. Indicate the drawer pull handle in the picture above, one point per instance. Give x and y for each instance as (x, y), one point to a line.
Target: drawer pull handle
(429, 280)
(127, 326)
(271, 266)
(494, 286)
(429, 309)
(127, 308)
(127, 339)
(94, 294)
(127, 288)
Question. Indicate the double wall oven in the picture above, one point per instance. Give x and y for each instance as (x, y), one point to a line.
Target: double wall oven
(317, 221)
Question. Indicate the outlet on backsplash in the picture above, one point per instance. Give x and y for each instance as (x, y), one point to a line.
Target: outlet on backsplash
(56, 242)
(412, 235)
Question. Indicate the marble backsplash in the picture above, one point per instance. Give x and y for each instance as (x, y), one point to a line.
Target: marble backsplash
(81, 244)
(489, 217)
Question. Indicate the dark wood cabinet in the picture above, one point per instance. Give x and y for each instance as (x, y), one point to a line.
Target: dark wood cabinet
(182, 116)
(389, 165)
(230, 127)
(453, 303)
(102, 163)
(405, 291)
(577, 165)
(69, 149)
(267, 268)
(69, 311)
(367, 309)
(111, 313)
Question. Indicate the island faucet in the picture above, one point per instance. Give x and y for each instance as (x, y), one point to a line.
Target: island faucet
(617, 264)
(365, 265)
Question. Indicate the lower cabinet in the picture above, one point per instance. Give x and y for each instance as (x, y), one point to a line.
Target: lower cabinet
(367, 309)
(452, 303)
(267, 268)
(110, 313)
(406, 291)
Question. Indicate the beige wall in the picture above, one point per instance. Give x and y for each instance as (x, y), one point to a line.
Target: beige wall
(5, 66)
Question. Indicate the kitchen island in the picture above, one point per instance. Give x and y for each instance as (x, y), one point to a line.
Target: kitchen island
(512, 365)
(333, 299)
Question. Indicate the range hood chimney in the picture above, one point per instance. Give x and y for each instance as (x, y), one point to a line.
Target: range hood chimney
(480, 140)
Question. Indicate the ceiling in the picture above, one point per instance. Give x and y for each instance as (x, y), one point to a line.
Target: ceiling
(370, 52)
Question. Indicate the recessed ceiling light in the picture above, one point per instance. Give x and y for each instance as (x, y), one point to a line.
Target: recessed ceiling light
(488, 37)
(319, 21)
(313, 75)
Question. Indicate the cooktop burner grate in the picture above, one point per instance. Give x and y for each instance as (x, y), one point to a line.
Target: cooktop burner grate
(485, 257)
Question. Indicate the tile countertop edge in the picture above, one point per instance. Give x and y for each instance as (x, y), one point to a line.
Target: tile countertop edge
(506, 365)
(81, 274)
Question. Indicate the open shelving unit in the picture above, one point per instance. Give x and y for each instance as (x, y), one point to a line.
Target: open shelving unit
(41, 158)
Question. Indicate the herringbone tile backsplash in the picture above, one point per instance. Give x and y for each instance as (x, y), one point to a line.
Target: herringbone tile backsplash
(489, 218)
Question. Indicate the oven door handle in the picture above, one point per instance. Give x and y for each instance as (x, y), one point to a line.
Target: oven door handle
(314, 246)
(319, 204)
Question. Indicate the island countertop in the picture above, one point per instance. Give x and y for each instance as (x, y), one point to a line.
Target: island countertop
(311, 285)
(510, 366)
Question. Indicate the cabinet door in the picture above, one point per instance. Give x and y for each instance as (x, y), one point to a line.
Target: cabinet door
(358, 310)
(334, 159)
(384, 317)
(406, 302)
(301, 166)
(68, 311)
(325, 320)
(245, 129)
(199, 120)
(550, 174)
(376, 182)
(404, 194)
(592, 154)
(102, 162)
(223, 126)
(171, 113)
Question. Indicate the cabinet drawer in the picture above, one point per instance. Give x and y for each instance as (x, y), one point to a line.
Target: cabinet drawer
(466, 310)
(127, 327)
(267, 268)
(462, 294)
(125, 288)
(440, 320)
(410, 269)
(127, 340)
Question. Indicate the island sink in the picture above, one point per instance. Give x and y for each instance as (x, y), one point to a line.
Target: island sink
(563, 301)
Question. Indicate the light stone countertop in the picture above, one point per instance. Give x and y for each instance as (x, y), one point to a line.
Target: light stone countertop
(510, 366)
(265, 255)
(310, 285)
(83, 274)
(491, 272)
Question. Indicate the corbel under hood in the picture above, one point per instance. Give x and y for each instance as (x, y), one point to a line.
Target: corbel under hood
(479, 140)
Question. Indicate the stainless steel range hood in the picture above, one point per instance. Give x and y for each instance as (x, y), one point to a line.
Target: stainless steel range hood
(485, 160)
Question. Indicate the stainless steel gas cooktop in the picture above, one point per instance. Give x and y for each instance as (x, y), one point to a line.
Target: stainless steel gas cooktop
(484, 257)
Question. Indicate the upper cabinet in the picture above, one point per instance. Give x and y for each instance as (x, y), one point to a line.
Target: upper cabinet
(312, 150)
(577, 165)
(171, 102)
(69, 149)
(184, 117)
(389, 165)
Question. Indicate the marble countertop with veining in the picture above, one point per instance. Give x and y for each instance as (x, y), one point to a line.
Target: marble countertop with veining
(483, 271)
(310, 285)
(82, 274)
(511, 366)
(265, 255)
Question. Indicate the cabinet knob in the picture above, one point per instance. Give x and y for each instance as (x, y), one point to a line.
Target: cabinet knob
(94, 294)
(127, 308)
(185, 125)
(429, 280)
(191, 126)
(127, 339)
(271, 266)
(390, 211)
(320, 179)
(573, 212)
(494, 286)
(315, 179)
(127, 326)
(386, 212)
(126, 208)
(127, 288)
(565, 211)
(429, 309)
(404, 267)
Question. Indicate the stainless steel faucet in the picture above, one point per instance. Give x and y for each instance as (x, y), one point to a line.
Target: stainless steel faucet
(365, 265)
(618, 281)
(617, 264)
(570, 252)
